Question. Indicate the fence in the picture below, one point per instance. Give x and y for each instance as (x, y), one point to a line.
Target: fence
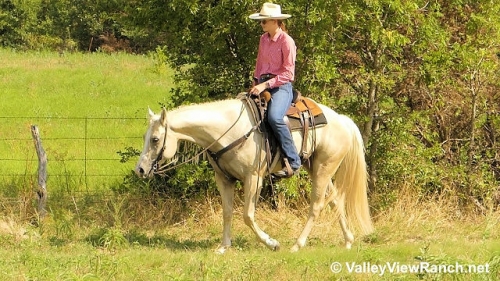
(83, 152)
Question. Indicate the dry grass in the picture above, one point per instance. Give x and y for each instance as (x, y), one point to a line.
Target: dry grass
(10, 227)
(410, 219)
(166, 237)
(436, 218)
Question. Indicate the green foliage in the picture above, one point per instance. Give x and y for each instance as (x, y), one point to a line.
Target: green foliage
(374, 60)
(11, 20)
(186, 182)
(211, 38)
(59, 24)
(108, 238)
(191, 179)
(160, 60)
(130, 153)
(113, 238)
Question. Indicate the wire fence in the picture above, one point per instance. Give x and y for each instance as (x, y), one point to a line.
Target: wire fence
(84, 153)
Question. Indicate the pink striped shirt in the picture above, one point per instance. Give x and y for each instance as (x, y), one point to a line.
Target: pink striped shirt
(276, 56)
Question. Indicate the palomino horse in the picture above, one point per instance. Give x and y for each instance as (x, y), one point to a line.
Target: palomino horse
(337, 152)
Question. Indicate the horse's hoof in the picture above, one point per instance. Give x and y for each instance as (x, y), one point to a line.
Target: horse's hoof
(273, 244)
(295, 248)
(222, 249)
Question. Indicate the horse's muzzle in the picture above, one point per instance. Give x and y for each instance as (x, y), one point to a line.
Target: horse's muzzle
(140, 172)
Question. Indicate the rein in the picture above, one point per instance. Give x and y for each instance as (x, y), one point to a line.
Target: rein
(215, 155)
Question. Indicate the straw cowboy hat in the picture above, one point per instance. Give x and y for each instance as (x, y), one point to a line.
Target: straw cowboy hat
(269, 11)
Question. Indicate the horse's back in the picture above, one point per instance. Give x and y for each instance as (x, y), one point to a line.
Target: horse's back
(338, 133)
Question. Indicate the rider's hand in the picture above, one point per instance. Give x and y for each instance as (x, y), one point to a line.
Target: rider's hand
(257, 89)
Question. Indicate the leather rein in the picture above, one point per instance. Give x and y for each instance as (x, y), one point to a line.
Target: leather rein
(161, 170)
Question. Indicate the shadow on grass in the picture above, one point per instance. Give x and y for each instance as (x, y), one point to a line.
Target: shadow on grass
(100, 238)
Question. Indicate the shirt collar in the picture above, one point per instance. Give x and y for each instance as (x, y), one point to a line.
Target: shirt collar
(276, 36)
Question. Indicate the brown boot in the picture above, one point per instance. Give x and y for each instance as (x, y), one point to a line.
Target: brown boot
(285, 173)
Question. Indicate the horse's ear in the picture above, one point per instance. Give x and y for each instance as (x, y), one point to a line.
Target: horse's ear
(150, 113)
(163, 117)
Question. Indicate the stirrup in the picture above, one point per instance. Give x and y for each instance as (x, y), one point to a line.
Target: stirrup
(287, 171)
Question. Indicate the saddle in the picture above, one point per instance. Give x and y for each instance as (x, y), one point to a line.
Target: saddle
(303, 115)
(302, 111)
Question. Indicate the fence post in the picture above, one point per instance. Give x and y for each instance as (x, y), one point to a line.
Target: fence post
(85, 153)
(42, 171)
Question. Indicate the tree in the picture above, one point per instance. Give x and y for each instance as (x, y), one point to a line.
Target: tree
(403, 69)
(11, 20)
(210, 43)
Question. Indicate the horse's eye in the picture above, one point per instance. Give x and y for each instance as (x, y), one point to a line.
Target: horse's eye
(155, 140)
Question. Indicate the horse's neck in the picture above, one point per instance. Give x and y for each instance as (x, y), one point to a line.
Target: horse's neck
(205, 123)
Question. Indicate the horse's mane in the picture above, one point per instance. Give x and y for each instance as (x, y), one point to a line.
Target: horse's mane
(216, 103)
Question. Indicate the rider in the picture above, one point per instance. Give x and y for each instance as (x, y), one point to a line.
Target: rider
(274, 71)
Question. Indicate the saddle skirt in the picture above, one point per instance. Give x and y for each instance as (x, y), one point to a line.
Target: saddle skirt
(304, 112)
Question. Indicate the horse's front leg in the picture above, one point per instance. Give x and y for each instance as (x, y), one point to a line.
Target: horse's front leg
(252, 186)
(226, 190)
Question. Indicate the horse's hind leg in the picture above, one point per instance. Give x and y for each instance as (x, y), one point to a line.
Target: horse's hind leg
(337, 202)
(226, 190)
(320, 182)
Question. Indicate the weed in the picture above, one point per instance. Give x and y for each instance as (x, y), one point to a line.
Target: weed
(113, 238)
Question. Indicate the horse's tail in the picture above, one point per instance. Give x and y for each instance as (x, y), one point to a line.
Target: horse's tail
(351, 180)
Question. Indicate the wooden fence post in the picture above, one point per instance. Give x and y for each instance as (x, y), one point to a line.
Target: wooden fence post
(42, 171)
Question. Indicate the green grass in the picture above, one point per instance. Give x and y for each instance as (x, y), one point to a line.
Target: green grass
(80, 85)
(120, 248)
(87, 106)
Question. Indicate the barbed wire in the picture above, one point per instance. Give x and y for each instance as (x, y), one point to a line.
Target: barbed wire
(88, 139)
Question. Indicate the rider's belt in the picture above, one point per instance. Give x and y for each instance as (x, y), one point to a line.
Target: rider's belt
(265, 77)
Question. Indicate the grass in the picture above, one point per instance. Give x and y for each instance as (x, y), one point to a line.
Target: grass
(126, 239)
(87, 107)
(80, 85)
(132, 236)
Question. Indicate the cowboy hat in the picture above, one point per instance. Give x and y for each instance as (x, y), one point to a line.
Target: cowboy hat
(270, 11)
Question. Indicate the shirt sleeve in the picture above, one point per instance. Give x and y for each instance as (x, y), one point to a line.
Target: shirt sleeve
(259, 58)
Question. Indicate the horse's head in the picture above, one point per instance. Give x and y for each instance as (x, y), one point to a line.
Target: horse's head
(160, 144)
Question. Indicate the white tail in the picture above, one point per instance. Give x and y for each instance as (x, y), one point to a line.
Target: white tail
(351, 181)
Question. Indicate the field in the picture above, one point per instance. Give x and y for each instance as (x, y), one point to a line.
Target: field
(69, 247)
(103, 236)
(87, 107)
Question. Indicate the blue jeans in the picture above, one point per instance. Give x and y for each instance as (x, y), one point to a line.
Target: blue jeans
(281, 98)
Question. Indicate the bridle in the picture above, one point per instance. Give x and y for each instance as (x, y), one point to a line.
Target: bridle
(161, 170)
(154, 165)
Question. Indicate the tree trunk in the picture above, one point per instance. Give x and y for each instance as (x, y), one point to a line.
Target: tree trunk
(369, 127)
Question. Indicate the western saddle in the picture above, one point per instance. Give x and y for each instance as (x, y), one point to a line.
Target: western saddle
(303, 115)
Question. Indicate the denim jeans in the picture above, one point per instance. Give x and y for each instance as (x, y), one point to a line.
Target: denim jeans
(281, 98)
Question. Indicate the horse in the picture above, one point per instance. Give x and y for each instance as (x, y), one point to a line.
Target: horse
(229, 126)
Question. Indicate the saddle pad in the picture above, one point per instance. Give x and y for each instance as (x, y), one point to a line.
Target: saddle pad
(295, 123)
